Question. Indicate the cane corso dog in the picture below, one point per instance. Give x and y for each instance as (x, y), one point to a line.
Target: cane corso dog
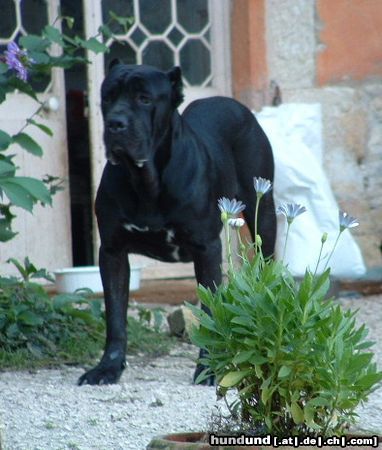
(158, 195)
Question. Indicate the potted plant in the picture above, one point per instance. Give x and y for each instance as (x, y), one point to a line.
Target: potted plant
(297, 364)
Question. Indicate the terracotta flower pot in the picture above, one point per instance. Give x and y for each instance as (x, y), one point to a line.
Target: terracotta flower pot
(196, 441)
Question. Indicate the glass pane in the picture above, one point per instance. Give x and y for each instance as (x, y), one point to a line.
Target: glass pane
(34, 15)
(192, 14)
(155, 15)
(175, 36)
(158, 54)
(71, 8)
(122, 8)
(8, 22)
(195, 62)
(122, 51)
(138, 36)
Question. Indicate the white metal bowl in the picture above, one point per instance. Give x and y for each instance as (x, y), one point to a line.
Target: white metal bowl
(73, 278)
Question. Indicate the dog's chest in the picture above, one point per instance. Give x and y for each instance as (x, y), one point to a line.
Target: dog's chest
(158, 244)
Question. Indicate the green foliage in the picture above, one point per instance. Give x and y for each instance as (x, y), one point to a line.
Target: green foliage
(41, 327)
(145, 335)
(39, 330)
(24, 192)
(298, 362)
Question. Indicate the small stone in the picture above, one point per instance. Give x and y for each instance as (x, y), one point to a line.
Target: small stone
(156, 403)
(180, 321)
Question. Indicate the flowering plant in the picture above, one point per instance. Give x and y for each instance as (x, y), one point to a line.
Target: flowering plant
(296, 361)
(32, 58)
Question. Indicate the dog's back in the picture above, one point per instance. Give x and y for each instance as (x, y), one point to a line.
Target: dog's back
(231, 127)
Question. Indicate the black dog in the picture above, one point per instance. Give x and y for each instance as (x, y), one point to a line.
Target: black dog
(159, 190)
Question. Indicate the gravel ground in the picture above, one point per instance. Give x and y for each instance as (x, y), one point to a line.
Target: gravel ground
(45, 410)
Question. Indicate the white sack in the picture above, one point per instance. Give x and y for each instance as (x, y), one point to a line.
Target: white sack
(294, 131)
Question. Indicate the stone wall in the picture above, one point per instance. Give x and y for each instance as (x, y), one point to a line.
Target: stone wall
(328, 52)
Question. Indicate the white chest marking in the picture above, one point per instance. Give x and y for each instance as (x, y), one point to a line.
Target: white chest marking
(175, 253)
(132, 227)
(169, 238)
(170, 235)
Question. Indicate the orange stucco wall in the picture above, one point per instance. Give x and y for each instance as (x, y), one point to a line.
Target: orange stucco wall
(248, 46)
(351, 35)
(348, 43)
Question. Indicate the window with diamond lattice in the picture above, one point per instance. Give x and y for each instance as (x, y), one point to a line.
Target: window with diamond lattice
(164, 33)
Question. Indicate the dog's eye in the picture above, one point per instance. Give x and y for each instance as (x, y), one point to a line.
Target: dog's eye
(144, 99)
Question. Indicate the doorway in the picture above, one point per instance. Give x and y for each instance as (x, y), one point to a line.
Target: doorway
(78, 145)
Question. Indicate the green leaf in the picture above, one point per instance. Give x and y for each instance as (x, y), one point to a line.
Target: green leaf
(35, 188)
(297, 413)
(233, 378)
(319, 401)
(258, 360)
(3, 68)
(6, 233)
(265, 395)
(242, 320)
(30, 318)
(69, 21)
(268, 422)
(5, 140)
(17, 194)
(54, 35)
(13, 330)
(32, 42)
(242, 357)
(309, 414)
(39, 57)
(284, 372)
(94, 45)
(27, 143)
(124, 21)
(105, 31)
(22, 270)
(206, 373)
(369, 380)
(7, 168)
(42, 127)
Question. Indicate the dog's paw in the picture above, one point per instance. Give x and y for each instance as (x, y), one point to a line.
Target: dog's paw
(208, 381)
(101, 375)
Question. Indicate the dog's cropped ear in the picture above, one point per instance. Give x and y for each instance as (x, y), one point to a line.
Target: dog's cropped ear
(114, 62)
(175, 76)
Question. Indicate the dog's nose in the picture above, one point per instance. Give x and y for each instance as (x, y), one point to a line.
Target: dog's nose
(116, 125)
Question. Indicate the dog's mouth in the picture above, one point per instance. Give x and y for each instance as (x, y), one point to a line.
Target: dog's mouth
(117, 155)
(140, 162)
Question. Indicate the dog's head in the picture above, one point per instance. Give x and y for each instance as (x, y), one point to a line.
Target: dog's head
(138, 102)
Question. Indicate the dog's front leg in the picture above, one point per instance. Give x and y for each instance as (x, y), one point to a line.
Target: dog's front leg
(115, 273)
(207, 265)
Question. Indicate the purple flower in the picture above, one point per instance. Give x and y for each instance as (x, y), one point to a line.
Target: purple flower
(291, 211)
(17, 60)
(346, 221)
(261, 185)
(230, 207)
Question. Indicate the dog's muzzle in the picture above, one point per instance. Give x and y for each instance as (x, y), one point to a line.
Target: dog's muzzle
(115, 156)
